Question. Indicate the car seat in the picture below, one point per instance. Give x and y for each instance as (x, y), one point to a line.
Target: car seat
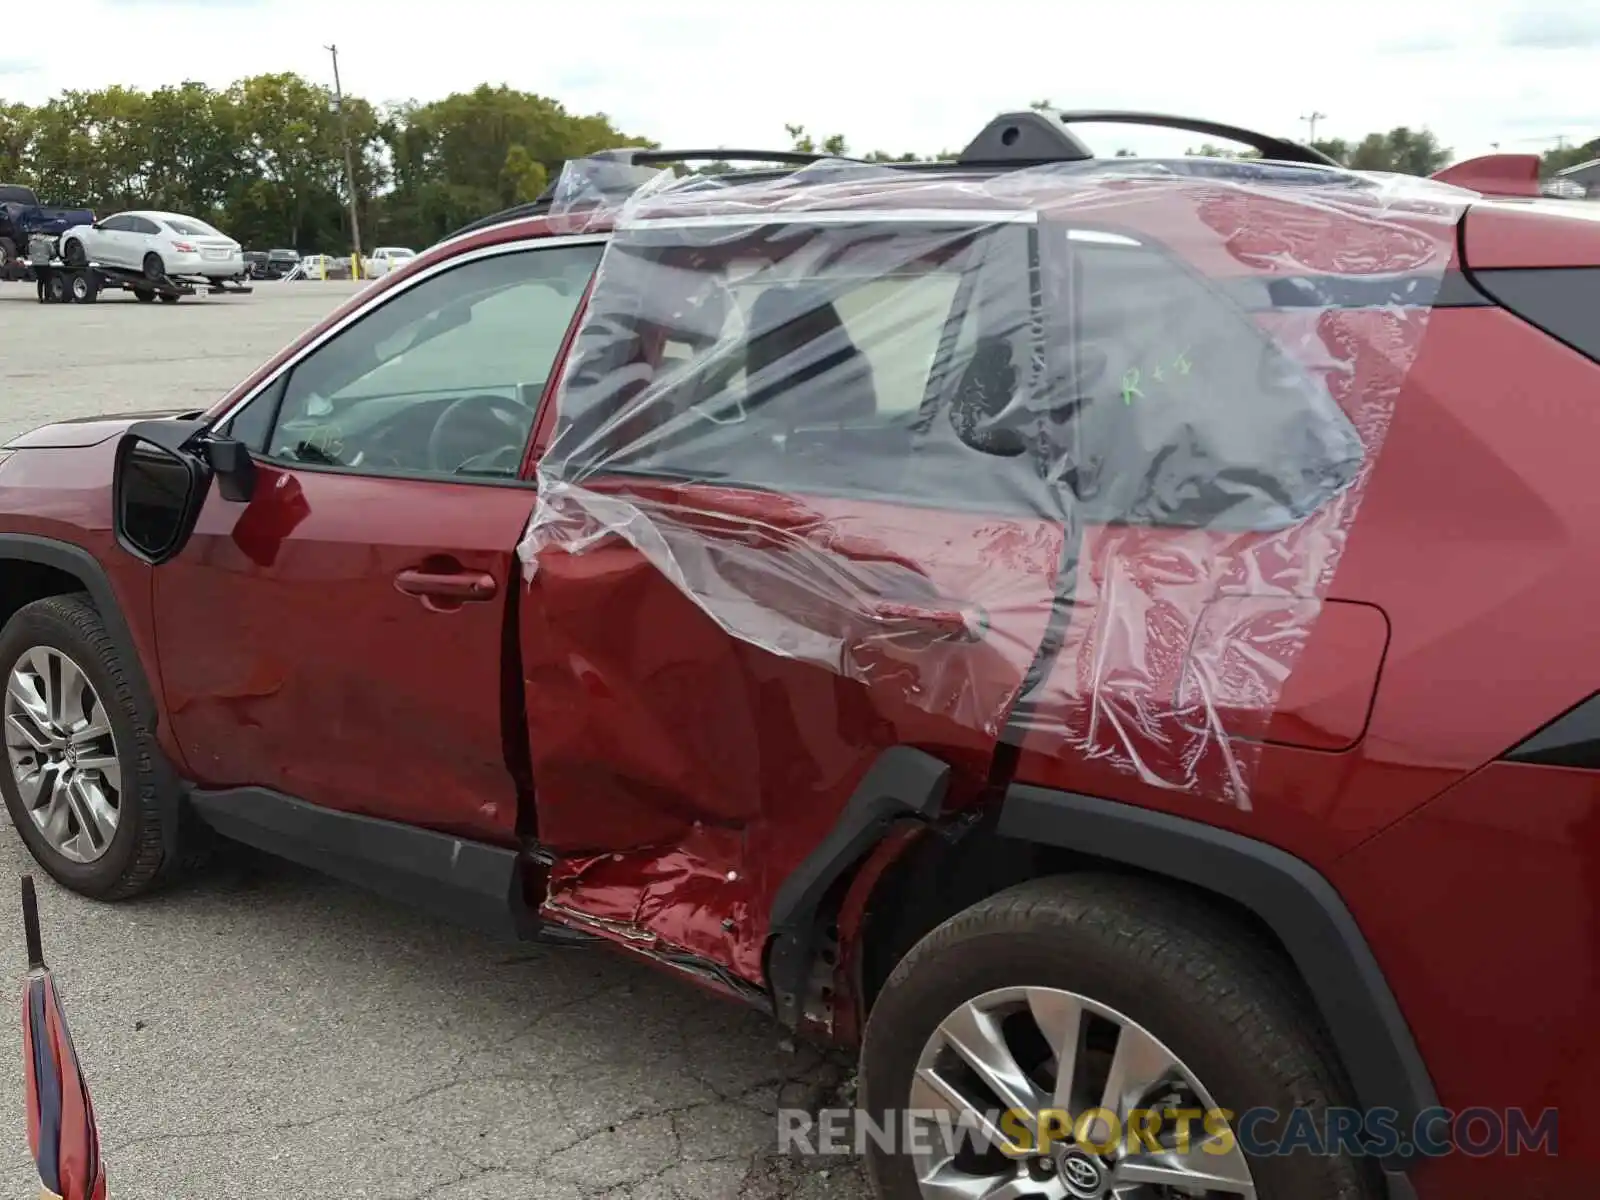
(801, 364)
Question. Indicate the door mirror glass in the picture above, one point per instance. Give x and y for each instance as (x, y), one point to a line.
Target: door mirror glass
(158, 493)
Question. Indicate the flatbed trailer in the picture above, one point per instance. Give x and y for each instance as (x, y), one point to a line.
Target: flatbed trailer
(58, 282)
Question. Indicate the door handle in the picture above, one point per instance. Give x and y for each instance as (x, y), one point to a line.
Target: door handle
(946, 624)
(447, 585)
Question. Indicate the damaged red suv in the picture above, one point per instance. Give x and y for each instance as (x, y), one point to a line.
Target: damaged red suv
(1105, 637)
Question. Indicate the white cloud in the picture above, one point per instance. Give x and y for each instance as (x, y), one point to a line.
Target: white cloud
(891, 74)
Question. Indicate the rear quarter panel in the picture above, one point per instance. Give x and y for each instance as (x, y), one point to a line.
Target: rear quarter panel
(1477, 538)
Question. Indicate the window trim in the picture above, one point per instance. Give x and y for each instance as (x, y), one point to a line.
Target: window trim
(289, 364)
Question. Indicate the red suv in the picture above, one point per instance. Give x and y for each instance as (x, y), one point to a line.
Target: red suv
(1104, 636)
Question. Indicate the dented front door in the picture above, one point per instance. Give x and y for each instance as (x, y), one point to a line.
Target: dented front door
(775, 539)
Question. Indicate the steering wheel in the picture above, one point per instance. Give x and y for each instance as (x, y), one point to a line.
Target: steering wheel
(477, 425)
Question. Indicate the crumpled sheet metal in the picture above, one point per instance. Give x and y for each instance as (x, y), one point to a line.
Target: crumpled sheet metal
(911, 428)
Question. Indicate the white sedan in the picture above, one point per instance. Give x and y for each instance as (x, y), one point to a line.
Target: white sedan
(155, 244)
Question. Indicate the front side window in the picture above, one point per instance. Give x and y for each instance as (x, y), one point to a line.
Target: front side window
(442, 380)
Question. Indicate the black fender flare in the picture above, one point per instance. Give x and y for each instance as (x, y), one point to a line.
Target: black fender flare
(1290, 896)
(902, 782)
(84, 567)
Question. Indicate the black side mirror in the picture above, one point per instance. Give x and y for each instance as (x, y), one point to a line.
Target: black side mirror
(158, 487)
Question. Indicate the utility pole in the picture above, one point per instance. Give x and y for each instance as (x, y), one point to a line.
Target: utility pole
(356, 267)
(1311, 124)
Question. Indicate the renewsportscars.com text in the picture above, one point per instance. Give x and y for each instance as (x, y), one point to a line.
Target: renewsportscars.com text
(1259, 1132)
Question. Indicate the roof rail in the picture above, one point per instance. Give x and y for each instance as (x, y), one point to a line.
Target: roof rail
(1030, 137)
(649, 158)
(1037, 136)
(517, 212)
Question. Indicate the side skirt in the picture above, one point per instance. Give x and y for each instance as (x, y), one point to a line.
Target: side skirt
(471, 883)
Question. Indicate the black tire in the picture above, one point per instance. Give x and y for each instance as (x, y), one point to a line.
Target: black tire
(8, 252)
(132, 862)
(72, 254)
(143, 295)
(154, 268)
(55, 289)
(83, 289)
(1195, 980)
(170, 298)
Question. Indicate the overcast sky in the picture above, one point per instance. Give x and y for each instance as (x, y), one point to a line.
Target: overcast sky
(893, 74)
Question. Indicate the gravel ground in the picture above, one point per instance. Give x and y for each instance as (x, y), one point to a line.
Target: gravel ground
(263, 1031)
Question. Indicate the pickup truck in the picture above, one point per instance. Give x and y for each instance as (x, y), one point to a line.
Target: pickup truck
(21, 216)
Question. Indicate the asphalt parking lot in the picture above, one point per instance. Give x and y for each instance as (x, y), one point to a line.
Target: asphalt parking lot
(263, 1031)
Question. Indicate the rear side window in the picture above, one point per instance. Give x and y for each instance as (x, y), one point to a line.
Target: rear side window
(1184, 410)
(1562, 301)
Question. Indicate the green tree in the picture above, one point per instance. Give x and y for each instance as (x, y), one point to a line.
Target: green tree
(264, 158)
(1212, 150)
(802, 141)
(1403, 149)
(16, 134)
(836, 144)
(475, 152)
(1551, 162)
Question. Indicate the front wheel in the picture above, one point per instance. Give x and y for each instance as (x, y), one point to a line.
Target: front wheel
(1058, 1030)
(72, 254)
(79, 774)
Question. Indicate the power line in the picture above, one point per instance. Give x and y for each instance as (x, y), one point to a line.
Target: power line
(1311, 124)
(349, 168)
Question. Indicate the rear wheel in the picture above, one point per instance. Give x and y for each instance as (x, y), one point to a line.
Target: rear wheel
(80, 773)
(1110, 995)
(8, 252)
(84, 290)
(143, 295)
(154, 268)
(55, 288)
(169, 298)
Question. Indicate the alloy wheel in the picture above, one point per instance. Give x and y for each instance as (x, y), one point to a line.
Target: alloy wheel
(1047, 1093)
(63, 754)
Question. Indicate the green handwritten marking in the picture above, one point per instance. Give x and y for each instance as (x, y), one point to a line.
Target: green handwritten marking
(1159, 375)
(1183, 364)
(1130, 386)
